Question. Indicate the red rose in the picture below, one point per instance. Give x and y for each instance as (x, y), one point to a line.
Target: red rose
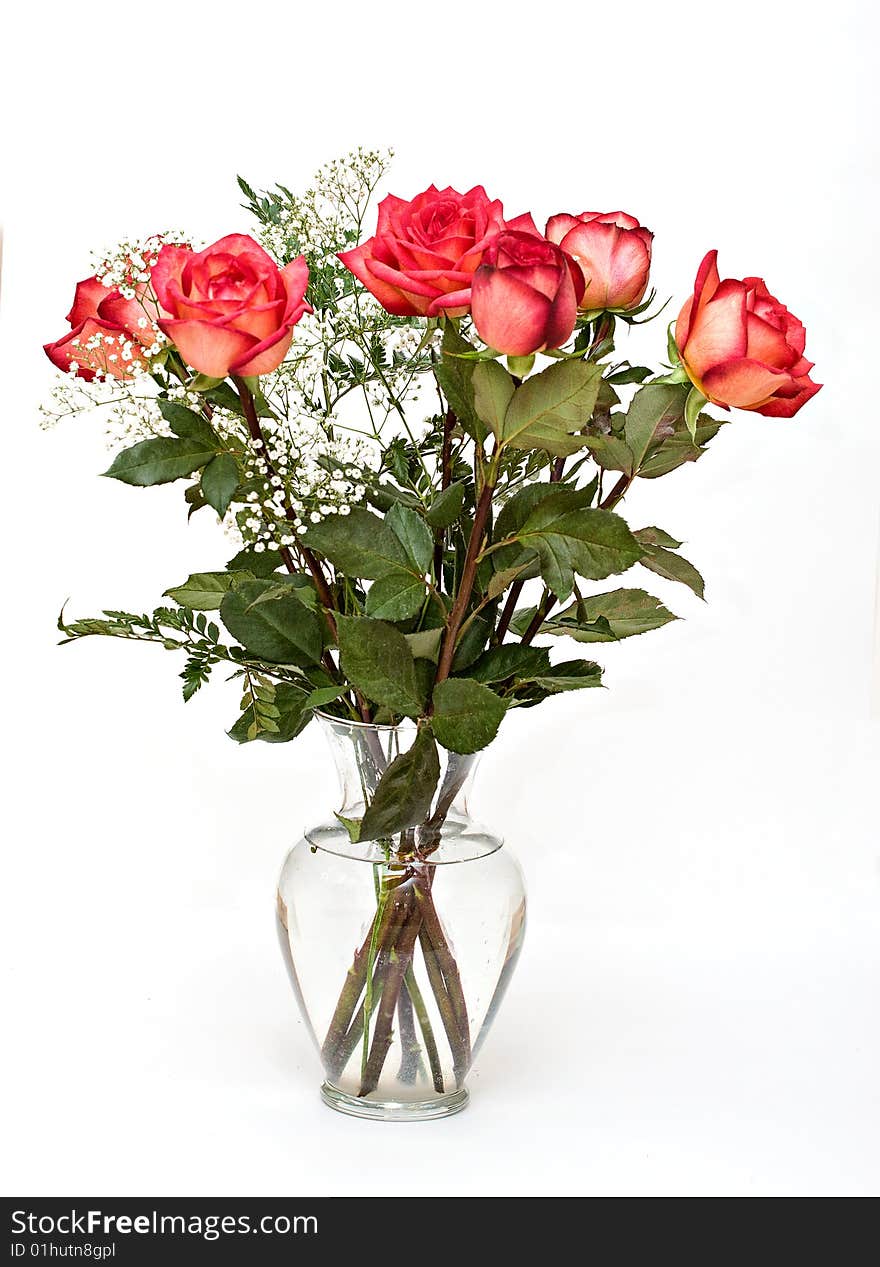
(106, 334)
(229, 309)
(740, 346)
(525, 294)
(422, 259)
(614, 254)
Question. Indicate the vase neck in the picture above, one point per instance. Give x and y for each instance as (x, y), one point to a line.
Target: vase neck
(363, 752)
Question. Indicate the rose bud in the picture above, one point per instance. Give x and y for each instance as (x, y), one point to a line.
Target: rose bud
(613, 252)
(525, 295)
(422, 258)
(229, 309)
(740, 346)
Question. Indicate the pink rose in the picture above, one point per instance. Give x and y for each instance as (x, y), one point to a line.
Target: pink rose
(525, 294)
(740, 346)
(422, 259)
(106, 337)
(613, 252)
(229, 309)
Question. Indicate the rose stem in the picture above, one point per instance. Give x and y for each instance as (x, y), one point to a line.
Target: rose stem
(415, 994)
(351, 991)
(617, 492)
(517, 587)
(449, 421)
(468, 573)
(410, 1051)
(400, 956)
(353, 1037)
(433, 929)
(444, 1004)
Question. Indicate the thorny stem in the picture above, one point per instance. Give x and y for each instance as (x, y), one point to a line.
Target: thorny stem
(468, 574)
(616, 493)
(449, 421)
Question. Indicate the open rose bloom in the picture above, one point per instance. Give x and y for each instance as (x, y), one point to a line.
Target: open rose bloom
(229, 309)
(740, 346)
(108, 334)
(422, 258)
(613, 252)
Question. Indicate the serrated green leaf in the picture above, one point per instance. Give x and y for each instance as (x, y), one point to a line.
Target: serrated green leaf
(158, 461)
(203, 591)
(678, 448)
(466, 714)
(446, 506)
(359, 544)
(570, 675)
(283, 631)
(454, 376)
(511, 659)
(493, 392)
(376, 658)
(611, 453)
(621, 613)
(189, 425)
(405, 791)
(219, 482)
(259, 563)
(550, 406)
(661, 559)
(570, 539)
(425, 645)
(413, 534)
(653, 406)
(397, 595)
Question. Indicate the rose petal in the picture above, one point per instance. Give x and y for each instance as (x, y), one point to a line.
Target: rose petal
(742, 383)
(209, 348)
(508, 315)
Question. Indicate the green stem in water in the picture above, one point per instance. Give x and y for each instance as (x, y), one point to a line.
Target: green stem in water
(415, 994)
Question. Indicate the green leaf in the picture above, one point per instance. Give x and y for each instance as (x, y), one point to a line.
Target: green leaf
(262, 563)
(455, 378)
(652, 405)
(551, 405)
(282, 630)
(607, 617)
(466, 714)
(661, 558)
(611, 453)
(511, 659)
(376, 658)
(398, 595)
(446, 506)
(203, 591)
(219, 482)
(413, 534)
(695, 402)
(406, 790)
(324, 695)
(158, 461)
(512, 516)
(632, 374)
(360, 544)
(425, 645)
(569, 675)
(189, 425)
(493, 392)
(572, 540)
(500, 580)
(294, 715)
(678, 448)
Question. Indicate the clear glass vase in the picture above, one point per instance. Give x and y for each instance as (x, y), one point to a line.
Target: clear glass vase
(399, 950)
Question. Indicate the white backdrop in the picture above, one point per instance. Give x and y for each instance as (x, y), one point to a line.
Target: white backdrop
(700, 841)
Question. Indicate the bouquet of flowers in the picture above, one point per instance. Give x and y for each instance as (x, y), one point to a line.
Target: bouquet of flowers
(420, 442)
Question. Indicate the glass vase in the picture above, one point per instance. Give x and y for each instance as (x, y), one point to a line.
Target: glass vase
(399, 950)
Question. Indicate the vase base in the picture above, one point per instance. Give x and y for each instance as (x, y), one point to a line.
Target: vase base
(394, 1110)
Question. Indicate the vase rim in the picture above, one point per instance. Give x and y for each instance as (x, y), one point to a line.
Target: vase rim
(349, 723)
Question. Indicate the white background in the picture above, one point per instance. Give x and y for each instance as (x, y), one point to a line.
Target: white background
(696, 1010)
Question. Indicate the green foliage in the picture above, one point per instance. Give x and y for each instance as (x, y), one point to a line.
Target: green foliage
(549, 407)
(405, 791)
(203, 591)
(280, 628)
(653, 407)
(159, 461)
(660, 557)
(455, 378)
(605, 617)
(466, 714)
(677, 446)
(377, 659)
(571, 539)
(446, 506)
(275, 712)
(219, 482)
